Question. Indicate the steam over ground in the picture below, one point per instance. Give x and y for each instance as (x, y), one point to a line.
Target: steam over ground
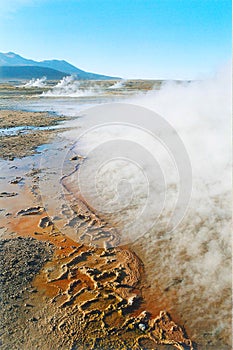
(39, 83)
(69, 87)
(192, 264)
(199, 251)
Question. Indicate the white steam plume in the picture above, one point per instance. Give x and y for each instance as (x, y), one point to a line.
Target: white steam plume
(198, 253)
(69, 87)
(117, 85)
(39, 82)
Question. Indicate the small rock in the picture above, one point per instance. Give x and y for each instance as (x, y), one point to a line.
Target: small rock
(74, 158)
(78, 156)
(132, 299)
(8, 194)
(142, 327)
(16, 180)
(33, 319)
(45, 222)
(28, 305)
(31, 211)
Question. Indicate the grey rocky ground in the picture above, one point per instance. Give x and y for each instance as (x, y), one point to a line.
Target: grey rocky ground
(20, 260)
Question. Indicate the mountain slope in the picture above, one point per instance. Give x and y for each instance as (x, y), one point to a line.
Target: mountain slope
(29, 72)
(61, 65)
(12, 59)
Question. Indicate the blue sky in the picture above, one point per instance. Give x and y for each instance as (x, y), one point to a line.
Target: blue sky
(129, 38)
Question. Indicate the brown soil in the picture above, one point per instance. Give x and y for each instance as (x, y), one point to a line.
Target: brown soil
(20, 118)
(23, 145)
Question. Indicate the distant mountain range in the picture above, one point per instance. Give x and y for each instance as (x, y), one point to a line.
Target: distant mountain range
(30, 72)
(15, 66)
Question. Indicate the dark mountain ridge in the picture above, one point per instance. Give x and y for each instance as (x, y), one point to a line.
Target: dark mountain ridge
(12, 59)
(30, 72)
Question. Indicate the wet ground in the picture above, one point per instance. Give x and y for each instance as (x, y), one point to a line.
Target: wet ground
(22, 132)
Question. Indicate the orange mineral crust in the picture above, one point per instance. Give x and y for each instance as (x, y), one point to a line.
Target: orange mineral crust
(99, 291)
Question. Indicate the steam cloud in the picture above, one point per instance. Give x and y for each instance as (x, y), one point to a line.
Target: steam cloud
(198, 252)
(117, 85)
(69, 87)
(40, 82)
(190, 266)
